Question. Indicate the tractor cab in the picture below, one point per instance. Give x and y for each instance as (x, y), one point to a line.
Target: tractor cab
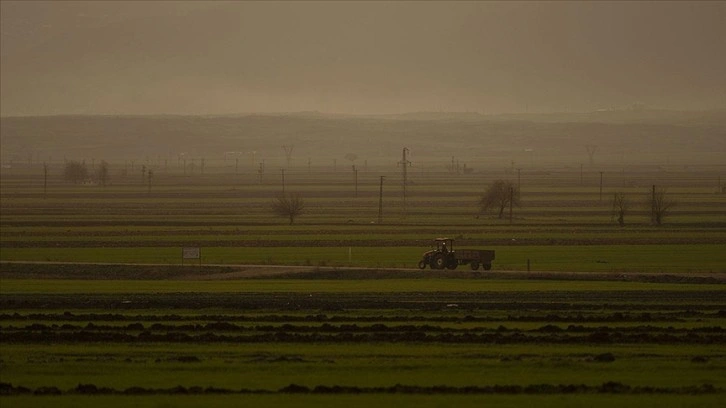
(444, 245)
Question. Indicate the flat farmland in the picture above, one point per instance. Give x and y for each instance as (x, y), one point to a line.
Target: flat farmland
(577, 311)
(318, 341)
(564, 222)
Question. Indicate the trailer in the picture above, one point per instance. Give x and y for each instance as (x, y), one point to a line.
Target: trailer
(443, 255)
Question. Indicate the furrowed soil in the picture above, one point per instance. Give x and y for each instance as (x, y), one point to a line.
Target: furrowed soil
(294, 342)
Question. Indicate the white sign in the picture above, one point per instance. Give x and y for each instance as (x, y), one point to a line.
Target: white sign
(191, 253)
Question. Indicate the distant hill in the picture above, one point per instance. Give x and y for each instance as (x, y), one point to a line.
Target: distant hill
(613, 116)
(625, 136)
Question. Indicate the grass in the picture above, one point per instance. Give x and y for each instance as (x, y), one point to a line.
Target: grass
(366, 401)
(255, 366)
(682, 258)
(292, 236)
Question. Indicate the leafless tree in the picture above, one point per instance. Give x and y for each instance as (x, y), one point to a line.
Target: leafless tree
(352, 157)
(660, 205)
(288, 205)
(102, 173)
(75, 172)
(621, 206)
(499, 196)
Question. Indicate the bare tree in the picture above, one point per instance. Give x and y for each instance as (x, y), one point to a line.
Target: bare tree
(102, 173)
(621, 206)
(352, 157)
(75, 172)
(499, 196)
(660, 205)
(288, 205)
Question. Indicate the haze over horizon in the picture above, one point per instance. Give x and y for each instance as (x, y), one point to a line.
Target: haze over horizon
(359, 57)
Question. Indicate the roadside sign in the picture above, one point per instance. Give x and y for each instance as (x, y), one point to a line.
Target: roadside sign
(192, 253)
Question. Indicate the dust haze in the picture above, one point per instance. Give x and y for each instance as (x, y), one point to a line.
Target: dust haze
(246, 203)
(119, 58)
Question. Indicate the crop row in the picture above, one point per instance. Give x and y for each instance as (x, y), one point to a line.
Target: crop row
(641, 300)
(599, 337)
(593, 317)
(226, 327)
(7, 389)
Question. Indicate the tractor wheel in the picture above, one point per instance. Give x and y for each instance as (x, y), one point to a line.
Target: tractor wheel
(438, 262)
(474, 265)
(487, 266)
(452, 264)
(422, 264)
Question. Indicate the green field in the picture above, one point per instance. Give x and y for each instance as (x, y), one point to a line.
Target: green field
(587, 258)
(96, 306)
(219, 211)
(515, 341)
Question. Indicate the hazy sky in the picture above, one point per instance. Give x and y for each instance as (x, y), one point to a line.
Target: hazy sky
(370, 57)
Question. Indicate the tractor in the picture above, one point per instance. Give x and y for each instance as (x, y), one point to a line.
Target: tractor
(443, 255)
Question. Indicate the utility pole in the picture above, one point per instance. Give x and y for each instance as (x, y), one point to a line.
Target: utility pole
(355, 173)
(591, 150)
(404, 164)
(511, 202)
(150, 176)
(719, 185)
(45, 180)
(283, 180)
(652, 205)
(519, 178)
(288, 153)
(380, 202)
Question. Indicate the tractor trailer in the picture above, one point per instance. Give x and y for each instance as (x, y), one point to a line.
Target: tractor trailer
(444, 256)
